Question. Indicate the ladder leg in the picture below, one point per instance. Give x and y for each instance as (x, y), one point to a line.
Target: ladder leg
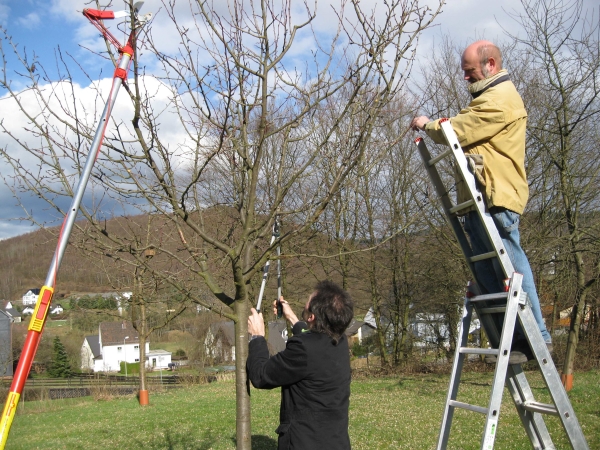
(510, 319)
(559, 395)
(533, 422)
(457, 366)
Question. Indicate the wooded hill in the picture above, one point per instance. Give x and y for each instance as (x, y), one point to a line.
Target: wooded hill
(25, 259)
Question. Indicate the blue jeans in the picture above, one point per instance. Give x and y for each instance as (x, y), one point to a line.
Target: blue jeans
(507, 223)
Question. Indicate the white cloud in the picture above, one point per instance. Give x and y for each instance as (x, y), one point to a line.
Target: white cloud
(89, 101)
(4, 13)
(31, 21)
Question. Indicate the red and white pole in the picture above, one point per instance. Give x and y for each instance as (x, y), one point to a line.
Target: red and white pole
(45, 297)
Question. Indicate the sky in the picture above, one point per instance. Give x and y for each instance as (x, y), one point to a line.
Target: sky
(42, 26)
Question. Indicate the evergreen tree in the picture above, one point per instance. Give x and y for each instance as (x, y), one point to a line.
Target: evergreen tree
(60, 366)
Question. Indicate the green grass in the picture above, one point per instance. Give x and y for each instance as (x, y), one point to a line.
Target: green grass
(392, 413)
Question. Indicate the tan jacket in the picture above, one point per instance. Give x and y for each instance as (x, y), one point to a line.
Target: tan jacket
(493, 125)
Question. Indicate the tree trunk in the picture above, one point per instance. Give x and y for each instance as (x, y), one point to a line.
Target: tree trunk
(573, 340)
(142, 332)
(242, 386)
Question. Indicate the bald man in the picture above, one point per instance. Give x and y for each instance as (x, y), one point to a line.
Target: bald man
(493, 128)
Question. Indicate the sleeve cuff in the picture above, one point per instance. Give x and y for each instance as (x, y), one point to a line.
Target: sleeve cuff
(299, 328)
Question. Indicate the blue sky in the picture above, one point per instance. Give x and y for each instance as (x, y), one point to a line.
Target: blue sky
(43, 26)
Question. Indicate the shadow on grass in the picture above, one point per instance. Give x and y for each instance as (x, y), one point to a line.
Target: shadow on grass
(260, 442)
(173, 440)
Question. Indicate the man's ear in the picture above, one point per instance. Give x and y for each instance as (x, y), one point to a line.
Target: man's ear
(310, 318)
(493, 68)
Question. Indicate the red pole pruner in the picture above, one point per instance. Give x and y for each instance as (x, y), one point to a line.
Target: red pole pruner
(42, 306)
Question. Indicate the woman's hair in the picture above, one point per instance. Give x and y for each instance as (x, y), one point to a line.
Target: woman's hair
(333, 310)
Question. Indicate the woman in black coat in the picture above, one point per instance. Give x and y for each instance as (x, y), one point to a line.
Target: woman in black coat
(313, 371)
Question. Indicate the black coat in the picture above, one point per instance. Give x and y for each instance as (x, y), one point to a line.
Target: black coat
(314, 375)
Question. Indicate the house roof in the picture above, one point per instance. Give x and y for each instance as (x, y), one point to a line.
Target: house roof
(157, 352)
(354, 326)
(114, 333)
(276, 340)
(35, 291)
(12, 312)
(227, 330)
(94, 343)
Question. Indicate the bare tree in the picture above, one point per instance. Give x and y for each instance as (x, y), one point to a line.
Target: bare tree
(247, 144)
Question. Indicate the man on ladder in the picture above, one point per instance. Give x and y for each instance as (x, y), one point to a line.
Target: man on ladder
(491, 131)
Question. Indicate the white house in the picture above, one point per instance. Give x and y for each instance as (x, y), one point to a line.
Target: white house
(28, 310)
(30, 298)
(15, 316)
(117, 342)
(158, 359)
(58, 309)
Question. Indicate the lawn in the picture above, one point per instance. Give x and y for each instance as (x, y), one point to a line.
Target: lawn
(390, 413)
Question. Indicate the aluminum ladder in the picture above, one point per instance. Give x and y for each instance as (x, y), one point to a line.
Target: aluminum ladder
(498, 314)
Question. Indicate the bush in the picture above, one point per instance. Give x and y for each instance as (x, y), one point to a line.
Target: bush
(132, 368)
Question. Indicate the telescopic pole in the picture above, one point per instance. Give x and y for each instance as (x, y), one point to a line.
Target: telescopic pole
(274, 236)
(42, 306)
(279, 307)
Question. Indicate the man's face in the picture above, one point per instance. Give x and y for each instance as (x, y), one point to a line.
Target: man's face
(473, 73)
(472, 67)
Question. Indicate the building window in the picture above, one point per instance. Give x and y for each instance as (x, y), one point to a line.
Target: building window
(136, 347)
(119, 348)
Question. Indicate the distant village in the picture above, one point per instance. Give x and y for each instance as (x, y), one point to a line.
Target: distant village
(117, 341)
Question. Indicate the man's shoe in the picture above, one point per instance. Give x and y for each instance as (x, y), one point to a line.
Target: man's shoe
(520, 353)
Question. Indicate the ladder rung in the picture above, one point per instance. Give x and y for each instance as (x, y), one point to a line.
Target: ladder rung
(478, 351)
(487, 297)
(543, 408)
(479, 409)
(462, 206)
(483, 256)
(492, 310)
(434, 161)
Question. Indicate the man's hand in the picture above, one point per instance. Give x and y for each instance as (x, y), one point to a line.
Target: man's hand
(287, 310)
(418, 123)
(256, 325)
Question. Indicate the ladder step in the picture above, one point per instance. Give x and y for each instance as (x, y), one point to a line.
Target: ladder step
(478, 351)
(483, 256)
(478, 409)
(437, 159)
(542, 408)
(492, 310)
(462, 206)
(487, 297)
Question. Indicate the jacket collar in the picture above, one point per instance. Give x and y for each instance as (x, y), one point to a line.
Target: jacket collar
(479, 87)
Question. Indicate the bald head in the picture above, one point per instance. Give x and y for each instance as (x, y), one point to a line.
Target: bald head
(480, 60)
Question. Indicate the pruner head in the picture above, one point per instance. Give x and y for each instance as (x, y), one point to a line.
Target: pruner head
(141, 20)
(137, 6)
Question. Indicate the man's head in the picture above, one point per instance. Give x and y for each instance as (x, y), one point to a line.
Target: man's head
(480, 60)
(329, 310)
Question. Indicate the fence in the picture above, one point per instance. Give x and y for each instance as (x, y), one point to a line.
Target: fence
(81, 385)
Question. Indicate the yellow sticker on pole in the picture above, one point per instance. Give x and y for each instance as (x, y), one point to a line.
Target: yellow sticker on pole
(42, 307)
(7, 416)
